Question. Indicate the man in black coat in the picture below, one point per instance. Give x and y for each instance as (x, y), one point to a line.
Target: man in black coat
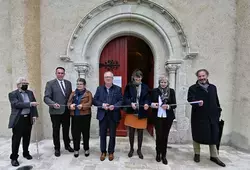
(205, 116)
(23, 115)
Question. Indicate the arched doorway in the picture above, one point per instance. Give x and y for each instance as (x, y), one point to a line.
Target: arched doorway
(122, 55)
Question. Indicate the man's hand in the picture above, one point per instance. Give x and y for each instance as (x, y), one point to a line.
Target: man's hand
(56, 106)
(155, 105)
(201, 103)
(111, 107)
(105, 106)
(72, 107)
(133, 105)
(34, 119)
(146, 106)
(34, 104)
(79, 106)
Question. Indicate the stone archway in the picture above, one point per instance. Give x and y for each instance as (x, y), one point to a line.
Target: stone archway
(162, 33)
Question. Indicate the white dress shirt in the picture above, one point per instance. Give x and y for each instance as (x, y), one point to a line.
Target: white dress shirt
(161, 111)
(63, 83)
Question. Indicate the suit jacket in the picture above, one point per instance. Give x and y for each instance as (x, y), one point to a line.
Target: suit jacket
(130, 97)
(17, 105)
(100, 97)
(172, 100)
(53, 94)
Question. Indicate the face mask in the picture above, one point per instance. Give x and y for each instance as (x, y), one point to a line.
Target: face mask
(24, 87)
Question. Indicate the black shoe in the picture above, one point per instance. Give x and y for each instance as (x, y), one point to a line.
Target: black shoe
(164, 161)
(130, 154)
(196, 158)
(140, 154)
(86, 153)
(14, 163)
(76, 154)
(57, 153)
(68, 148)
(158, 157)
(217, 161)
(29, 157)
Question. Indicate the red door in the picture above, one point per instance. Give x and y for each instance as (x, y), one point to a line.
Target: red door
(121, 56)
(114, 58)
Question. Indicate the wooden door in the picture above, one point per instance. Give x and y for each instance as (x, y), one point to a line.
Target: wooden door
(114, 58)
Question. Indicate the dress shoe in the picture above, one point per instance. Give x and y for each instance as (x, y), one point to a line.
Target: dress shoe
(158, 157)
(14, 163)
(130, 154)
(196, 158)
(57, 153)
(164, 160)
(29, 157)
(76, 154)
(68, 148)
(86, 153)
(217, 161)
(140, 154)
(103, 156)
(111, 157)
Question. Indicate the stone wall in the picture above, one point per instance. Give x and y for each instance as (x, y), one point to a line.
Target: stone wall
(210, 27)
(241, 116)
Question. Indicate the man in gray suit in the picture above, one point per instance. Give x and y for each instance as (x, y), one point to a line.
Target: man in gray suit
(23, 115)
(56, 96)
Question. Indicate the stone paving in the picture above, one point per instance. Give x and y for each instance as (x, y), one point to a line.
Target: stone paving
(180, 157)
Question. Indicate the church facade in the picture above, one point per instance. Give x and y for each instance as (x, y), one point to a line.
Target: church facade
(169, 37)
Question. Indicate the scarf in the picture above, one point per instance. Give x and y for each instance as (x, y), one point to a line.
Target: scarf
(204, 86)
(77, 99)
(165, 94)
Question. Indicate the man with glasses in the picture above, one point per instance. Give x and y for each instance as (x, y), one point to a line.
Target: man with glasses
(23, 115)
(108, 99)
(57, 92)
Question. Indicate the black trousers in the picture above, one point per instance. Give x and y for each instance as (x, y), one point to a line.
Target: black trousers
(21, 130)
(81, 126)
(107, 123)
(162, 127)
(57, 121)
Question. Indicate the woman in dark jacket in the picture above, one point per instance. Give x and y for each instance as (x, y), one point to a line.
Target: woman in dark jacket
(79, 103)
(161, 98)
(136, 94)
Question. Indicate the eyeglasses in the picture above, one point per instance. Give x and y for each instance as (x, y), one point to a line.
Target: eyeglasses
(108, 77)
(78, 84)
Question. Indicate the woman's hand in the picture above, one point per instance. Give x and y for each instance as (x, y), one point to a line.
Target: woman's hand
(79, 106)
(72, 107)
(155, 105)
(146, 106)
(165, 106)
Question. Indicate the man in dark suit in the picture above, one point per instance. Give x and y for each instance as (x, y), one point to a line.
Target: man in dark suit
(56, 96)
(108, 98)
(23, 115)
(205, 116)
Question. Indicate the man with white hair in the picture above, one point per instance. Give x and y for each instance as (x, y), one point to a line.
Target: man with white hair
(23, 115)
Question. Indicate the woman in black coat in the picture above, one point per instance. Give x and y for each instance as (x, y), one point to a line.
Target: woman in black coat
(161, 99)
(205, 116)
(137, 96)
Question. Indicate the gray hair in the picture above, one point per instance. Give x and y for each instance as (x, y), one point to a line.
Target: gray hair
(20, 80)
(109, 72)
(163, 77)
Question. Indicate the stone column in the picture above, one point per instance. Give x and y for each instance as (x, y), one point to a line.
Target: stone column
(82, 69)
(172, 67)
(25, 48)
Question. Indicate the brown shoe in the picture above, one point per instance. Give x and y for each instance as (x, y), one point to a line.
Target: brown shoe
(103, 156)
(111, 157)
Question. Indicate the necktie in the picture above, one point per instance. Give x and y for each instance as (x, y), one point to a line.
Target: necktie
(64, 92)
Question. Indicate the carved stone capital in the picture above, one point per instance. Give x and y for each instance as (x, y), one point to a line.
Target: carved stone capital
(173, 65)
(82, 69)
